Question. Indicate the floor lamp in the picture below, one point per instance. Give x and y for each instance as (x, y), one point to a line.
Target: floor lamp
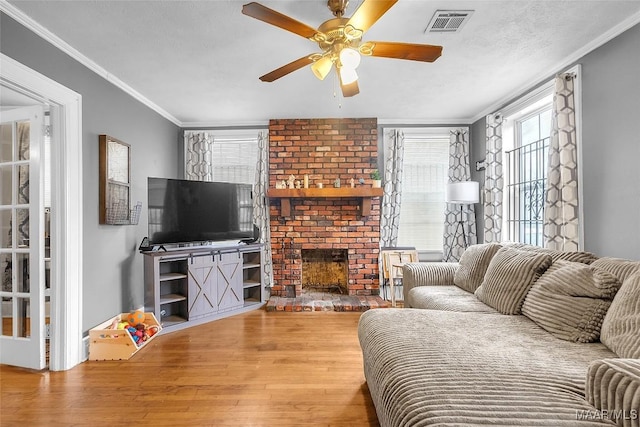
(462, 193)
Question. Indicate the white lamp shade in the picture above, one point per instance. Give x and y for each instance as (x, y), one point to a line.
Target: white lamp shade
(464, 192)
(322, 67)
(349, 58)
(348, 75)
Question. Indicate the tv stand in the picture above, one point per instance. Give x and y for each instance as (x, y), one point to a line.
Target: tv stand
(193, 285)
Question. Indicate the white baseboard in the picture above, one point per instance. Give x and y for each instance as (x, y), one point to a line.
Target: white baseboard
(85, 349)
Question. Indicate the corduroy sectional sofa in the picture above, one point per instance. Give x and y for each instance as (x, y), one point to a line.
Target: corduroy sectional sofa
(511, 335)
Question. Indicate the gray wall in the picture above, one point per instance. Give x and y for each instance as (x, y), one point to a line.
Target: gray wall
(611, 146)
(113, 272)
(611, 142)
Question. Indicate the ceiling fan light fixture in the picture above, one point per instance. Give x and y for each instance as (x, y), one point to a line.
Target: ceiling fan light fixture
(348, 75)
(349, 58)
(340, 41)
(322, 67)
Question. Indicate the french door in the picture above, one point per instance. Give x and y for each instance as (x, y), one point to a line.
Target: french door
(22, 249)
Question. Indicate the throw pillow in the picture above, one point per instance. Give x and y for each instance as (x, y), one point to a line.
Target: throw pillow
(573, 256)
(621, 268)
(621, 326)
(570, 300)
(473, 265)
(510, 275)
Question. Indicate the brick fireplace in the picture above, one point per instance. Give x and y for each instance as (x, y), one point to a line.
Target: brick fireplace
(325, 150)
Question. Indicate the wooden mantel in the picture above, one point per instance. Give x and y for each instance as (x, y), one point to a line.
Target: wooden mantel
(286, 194)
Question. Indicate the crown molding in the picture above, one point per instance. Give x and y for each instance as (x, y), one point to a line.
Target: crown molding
(560, 67)
(218, 124)
(56, 41)
(430, 123)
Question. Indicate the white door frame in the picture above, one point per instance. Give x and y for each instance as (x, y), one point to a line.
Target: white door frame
(66, 198)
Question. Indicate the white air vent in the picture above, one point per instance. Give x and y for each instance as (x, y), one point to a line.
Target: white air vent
(448, 21)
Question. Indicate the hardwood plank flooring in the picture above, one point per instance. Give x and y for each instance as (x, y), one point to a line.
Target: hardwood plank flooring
(254, 369)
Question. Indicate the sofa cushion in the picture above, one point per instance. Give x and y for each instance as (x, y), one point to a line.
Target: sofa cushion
(621, 268)
(447, 298)
(613, 387)
(428, 367)
(570, 300)
(573, 256)
(473, 265)
(510, 275)
(621, 325)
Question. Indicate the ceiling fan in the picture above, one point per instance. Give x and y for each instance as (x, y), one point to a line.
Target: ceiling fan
(340, 41)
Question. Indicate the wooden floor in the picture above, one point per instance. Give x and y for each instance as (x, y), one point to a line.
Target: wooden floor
(254, 369)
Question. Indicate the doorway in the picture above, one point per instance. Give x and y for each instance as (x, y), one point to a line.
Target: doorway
(65, 220)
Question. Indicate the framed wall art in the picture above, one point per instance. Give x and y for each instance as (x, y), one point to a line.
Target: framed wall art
(115, 181)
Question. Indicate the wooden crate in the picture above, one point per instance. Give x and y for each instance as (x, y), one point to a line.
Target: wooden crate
(117, 344)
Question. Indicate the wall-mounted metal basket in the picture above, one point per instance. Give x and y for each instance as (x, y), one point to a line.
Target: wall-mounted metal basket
(120, 214)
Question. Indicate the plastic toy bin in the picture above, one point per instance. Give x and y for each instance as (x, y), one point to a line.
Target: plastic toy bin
(117, 344)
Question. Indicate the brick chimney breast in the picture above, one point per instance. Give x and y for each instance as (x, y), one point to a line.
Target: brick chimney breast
(326, 150)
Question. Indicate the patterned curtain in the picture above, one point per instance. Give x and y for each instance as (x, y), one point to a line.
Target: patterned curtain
(458, 171)
(493, 180)
(561, 221)
(261, 205)
(393, 143)
(198, 165)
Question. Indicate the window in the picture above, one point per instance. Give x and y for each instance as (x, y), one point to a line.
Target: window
(233, 155)
(426, 162)
(526, 166)
(234, 158)
(526, 135)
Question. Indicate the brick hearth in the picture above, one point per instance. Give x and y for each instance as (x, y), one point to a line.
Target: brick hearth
(324, 149)
(320, 301)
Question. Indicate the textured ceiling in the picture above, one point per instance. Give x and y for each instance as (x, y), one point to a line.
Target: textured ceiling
(199, 61)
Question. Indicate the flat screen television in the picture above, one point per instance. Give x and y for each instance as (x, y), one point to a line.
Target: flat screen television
(182, 211)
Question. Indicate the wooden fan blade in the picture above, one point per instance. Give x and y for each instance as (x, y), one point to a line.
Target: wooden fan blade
(369, 12)
(412, 52)
(270, 16)
(351, 89)
(286, 69)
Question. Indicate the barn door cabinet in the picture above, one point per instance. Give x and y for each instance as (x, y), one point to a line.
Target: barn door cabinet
(190, 286)
(202, 289)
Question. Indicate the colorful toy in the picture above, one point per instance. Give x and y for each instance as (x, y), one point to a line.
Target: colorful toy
(135, 317)
(141, 332)
(132, 331)
(152, 330)
(116, 321)
(135, 326)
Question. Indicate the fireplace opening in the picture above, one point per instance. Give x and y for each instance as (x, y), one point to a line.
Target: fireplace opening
(325, 270)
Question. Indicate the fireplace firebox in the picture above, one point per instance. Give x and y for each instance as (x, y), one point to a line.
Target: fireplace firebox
(325, 270)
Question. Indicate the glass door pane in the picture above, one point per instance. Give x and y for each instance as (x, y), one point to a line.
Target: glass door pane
(22, 239)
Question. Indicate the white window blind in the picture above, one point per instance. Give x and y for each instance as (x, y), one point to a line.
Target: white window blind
(234, 158)
(426, 160)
